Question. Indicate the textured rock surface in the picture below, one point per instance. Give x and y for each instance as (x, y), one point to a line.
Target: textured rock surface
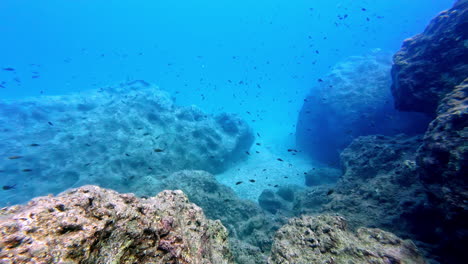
(431, 64)
(251, 230)
(115, 138)
(353, 100)
(444, 155)
(94, 225)
(380, 186)
(326, 239)
(443, 159)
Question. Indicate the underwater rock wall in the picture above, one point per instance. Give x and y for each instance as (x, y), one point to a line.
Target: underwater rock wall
(431, 64)
(116, 138)
(428, 76)
(95, 225)
(353, 100)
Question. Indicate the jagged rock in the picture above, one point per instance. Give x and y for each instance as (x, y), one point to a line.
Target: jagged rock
(431, 64)
(353, 100)
(320, 176)
(326, 239)
(116, 138)
(95, 225)
(251, 229)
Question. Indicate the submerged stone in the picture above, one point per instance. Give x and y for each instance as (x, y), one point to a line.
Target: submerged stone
(326, 239)
(95, 225)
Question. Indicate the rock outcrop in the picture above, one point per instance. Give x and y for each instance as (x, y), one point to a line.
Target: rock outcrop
(379, 186)
(251, 230)
(114, 137)
(443, 156)
(326, 239)
(353, 100)
(94, 225)
(431, 64)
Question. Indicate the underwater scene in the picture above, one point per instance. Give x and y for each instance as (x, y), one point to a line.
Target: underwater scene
(212, 132)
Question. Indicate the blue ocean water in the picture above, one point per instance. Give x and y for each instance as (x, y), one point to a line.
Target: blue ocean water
(79, 104)
(192, 49)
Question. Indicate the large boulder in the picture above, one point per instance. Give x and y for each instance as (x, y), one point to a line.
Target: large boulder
(115, 138)
(353, 100)
(326, 239)
(429, 65)
(94, 225)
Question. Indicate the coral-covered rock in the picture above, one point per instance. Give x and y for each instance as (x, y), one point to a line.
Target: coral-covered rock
(326, 239)
(94, 225)
(114, 137)
(430, 64)
(353, 100)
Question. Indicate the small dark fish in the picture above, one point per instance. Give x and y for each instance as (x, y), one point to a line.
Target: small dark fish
(50, 123)
(251, 180)
(258, 144)
(257, 151)
(248, 153)
(34, 145)
(276, 186)
(8, 187)
(258, 134)
(8, 69)
(278, 159)
(158, 150)
(292, 150)
(320, 80)
(26, 170)
(126, 154)
(15, 157)
(363, 9)
(239, 182)
(330, 191)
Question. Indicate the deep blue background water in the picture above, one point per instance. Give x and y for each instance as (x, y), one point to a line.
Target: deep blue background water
(227, 55)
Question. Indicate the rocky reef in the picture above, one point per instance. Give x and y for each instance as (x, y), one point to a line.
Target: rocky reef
(431, 64)
(95, 225)
(352, 100)
(326, 239)
(118, 138)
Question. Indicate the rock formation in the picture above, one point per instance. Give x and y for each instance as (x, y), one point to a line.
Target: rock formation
(326, 239)
(431, 64)
(116, 138)
(353, 100)
(95, 225)
(251, 230)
